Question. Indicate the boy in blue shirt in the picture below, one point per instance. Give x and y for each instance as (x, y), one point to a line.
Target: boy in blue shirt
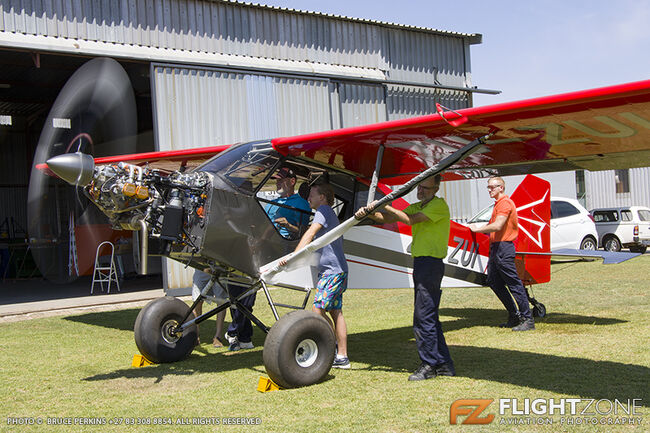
(332, 268)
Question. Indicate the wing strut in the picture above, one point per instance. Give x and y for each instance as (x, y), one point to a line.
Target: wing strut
(375, 174)
(300, 258)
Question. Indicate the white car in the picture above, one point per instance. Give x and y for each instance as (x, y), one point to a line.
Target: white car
(627, 227)
(571, 225)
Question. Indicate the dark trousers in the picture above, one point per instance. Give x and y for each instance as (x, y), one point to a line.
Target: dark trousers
(502, 272)
(241, 326)
(427, 276)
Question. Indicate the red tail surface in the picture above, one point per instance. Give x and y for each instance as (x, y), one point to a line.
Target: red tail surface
(533, 200)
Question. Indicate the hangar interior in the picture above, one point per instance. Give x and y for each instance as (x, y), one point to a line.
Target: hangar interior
(29, 84)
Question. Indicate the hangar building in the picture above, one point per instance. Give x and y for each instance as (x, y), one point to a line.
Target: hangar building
(204, 73)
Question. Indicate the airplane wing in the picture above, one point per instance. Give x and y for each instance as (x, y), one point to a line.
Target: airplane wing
(598, 129)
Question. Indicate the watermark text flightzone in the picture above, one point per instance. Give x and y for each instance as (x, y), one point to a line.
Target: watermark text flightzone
(565, 411)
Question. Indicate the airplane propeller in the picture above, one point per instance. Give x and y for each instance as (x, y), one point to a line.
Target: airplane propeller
(93, 115)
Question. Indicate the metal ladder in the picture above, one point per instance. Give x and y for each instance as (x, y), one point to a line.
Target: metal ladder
(105, 274)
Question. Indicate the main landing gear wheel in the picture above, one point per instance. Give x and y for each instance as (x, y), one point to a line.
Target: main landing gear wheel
(155, 331)
(299, 349)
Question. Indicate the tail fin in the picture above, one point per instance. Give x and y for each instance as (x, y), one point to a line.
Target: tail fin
(533, 200)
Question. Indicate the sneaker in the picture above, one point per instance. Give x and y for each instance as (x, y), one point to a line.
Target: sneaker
(341, 362)
(525, 325)
(230, 339)
(248, 345)
(513, 320)
(234, 346)
(424, 371)
(446, 369)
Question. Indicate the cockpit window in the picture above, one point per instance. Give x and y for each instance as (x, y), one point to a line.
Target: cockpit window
(245, 166)
(284, 199)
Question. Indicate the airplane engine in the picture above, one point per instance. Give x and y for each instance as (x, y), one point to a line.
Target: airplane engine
(168, 208)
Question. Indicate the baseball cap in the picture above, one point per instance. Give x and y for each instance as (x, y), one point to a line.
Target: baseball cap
(284, 172)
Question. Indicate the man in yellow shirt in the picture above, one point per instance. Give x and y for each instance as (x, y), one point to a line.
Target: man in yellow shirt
(429, 219)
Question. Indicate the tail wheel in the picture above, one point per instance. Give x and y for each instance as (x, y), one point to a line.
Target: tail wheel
(299, 349)
(156, 332)
(539, 310)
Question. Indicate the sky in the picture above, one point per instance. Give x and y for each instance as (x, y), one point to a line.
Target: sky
(530, 48)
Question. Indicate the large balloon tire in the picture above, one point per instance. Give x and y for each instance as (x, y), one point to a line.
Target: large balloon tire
(299, 349)
(153, 327)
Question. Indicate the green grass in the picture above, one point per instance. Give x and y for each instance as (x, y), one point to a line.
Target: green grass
(593, 344)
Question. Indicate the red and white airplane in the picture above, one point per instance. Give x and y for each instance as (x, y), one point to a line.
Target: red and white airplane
(210, 212)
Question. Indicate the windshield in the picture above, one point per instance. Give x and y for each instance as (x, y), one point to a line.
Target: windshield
(483, 216)
(243, 166)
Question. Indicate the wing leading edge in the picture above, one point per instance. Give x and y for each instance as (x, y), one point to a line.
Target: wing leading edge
(598, 129)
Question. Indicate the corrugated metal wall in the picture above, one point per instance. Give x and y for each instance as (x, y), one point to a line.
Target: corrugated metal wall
(410, 101)
(249, 30)
(427, 58)
(600, 189)
(361, 104)
(206, 107)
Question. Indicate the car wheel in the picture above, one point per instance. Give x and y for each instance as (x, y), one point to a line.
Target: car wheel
(641, 250)
(612, 244)
(155, 331)
(299, 349)
(588, 243)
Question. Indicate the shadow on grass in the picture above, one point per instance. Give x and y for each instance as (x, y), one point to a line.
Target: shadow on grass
(123, 320)
(394, 350)
(470, 317)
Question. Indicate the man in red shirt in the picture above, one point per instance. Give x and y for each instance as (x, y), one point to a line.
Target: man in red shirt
(503, 230)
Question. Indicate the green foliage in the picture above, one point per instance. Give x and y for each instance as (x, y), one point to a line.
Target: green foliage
(593, 344)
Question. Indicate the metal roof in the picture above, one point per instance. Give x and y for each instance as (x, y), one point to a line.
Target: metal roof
(474, 38)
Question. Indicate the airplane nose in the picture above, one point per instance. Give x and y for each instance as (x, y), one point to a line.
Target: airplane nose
(75, 168)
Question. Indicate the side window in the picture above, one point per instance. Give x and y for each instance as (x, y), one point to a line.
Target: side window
(626, 215)
(644, 215)
(561, 209)
(605, 216)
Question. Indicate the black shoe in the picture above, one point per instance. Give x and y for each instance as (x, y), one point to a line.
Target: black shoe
(424, 371)
(513, 320)
(525, 325)
(446, 369)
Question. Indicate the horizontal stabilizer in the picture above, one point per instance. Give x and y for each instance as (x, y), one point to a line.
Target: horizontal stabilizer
(609, 257)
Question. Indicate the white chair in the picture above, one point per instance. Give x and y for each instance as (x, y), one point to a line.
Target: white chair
(105, 274)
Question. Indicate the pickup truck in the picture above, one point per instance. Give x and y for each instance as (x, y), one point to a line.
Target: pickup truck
(627, 227)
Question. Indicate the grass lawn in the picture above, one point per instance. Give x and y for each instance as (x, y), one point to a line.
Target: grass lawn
(594, 344)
